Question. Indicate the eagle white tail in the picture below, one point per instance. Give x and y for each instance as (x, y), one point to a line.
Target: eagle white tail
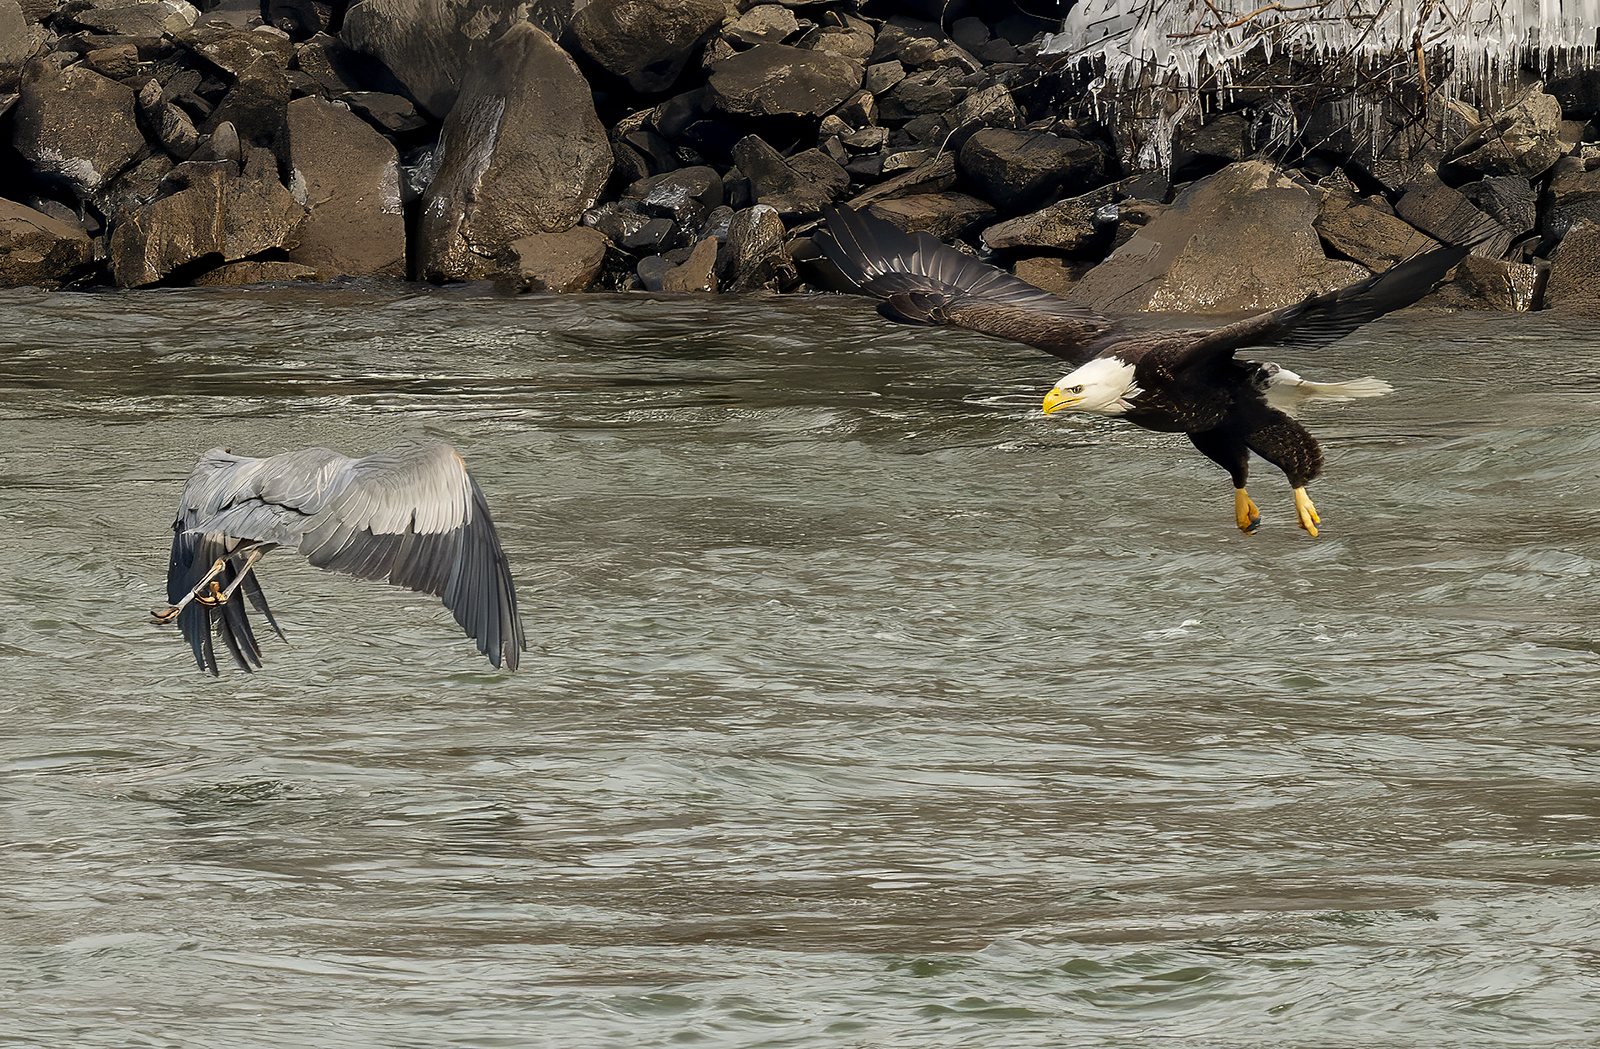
(1287, 391)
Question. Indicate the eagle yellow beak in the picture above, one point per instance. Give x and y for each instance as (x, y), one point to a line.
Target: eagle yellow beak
(1058, 399)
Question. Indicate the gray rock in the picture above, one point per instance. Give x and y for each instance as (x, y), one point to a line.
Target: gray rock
(1523, 139)
(936, 176)
(762, 24)
(652, 271)
(348, 177)
(1222, 139)
(1373, 238)
(645, 42)
(929, 92)
(17, 41)
(948, 216)
(1022, 170)
(522, 152)
(654, 236)
(254, 105)
(853, 40)
(753, 258)
(36, 249)
(129, 19)
(561, 262)
(992, 106)
(76, 127)
(800, 185)
(1574, 283)
(430, 44)
(1241, 239)
(214, 214)
(881, 76)
(221, 145)
(697, 273)
(382, 109)
(231, 50)
(1068, 225)
(777, 80)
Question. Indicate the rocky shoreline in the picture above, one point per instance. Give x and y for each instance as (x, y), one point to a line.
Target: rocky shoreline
(690, 145)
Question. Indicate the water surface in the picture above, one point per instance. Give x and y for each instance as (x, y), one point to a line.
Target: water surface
(864, 706)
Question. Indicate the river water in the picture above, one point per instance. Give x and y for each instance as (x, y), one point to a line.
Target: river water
(864, 705)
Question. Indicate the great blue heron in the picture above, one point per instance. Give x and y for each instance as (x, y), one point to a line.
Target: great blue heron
(414, 517)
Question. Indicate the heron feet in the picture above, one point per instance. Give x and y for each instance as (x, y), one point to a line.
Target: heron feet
(1305, 511)
(1245, 514)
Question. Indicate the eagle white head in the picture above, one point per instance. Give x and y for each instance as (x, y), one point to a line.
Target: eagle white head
(1104, 385)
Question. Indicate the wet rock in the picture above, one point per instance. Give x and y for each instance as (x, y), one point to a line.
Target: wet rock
(1070, 225)
(753, 257)
(645, 42)
(762, 24)
(696, 273)
(800, 185)
(1373, 238)
(653, 237)
(562, 262)
(992, 106)
(1241, 239)
(686, 195)
(213, 214)
(77, 127)
(777, 80)
(1494, 284)
(652, 272)
(1447, 215)
(36, 249)
(1574, 282)
(430, 44)
(522, 152)
(1523, 139)
(254, 271)
(382, 109)
(948, 216)
(1024, 170)
(348, 177)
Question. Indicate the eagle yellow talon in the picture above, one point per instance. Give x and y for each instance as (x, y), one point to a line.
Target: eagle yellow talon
(1245, 513)
(1305, 511)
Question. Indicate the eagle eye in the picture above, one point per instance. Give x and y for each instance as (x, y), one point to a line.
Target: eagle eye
(1076, 389)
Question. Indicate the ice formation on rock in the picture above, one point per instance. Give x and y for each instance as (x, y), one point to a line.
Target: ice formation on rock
(1175, 49)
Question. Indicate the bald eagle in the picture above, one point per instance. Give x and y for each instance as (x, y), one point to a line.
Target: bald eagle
(1174, 381)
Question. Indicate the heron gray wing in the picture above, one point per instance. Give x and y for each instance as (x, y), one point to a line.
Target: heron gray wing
(193, 554)
(925, 281)
(416, 518)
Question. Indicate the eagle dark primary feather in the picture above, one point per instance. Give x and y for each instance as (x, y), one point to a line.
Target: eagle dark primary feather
(411, 517)
(1173, 381)
(924, 281)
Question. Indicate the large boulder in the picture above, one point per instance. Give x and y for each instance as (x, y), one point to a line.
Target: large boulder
(776, 80)
(430, 44)
(753, 256)
(37, 249)
(645, 42)
(1241, 239)
(522, 152)
(349, 178)
(214, 214)
(76, 126)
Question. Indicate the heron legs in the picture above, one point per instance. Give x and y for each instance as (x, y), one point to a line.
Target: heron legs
(208, 592)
